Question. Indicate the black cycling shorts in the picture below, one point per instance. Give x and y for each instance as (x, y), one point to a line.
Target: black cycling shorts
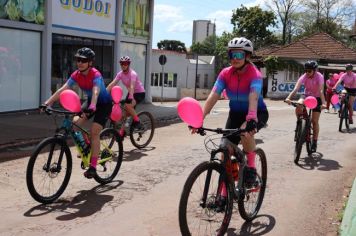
(139, 97)
(102, 113)
(236, 119)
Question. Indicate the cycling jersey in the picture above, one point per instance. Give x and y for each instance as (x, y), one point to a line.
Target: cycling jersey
(87, 82)
(312, 85)
(331, 83)
(238, 85)
(126, 79)
(349, 80)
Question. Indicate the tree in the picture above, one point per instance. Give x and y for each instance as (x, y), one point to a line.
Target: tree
(207, 47)
(171, 45)
(254, 23)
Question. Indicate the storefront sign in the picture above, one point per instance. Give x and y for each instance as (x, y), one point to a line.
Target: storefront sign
(135, 18)
(97, 16)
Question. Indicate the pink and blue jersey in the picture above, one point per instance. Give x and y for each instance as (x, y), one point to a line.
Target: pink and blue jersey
(87, 82)
(130, 77)
(312, 85)
(239, 85)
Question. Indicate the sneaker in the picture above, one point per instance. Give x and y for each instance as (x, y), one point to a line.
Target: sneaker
(250, 176)
(90, 173)
(351, 121)
(314, 146)
(137, 125)
(335, 111)
(326, 111)
(220, 204)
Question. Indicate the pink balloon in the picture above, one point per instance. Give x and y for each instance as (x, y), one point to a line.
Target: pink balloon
(310, 102)
(70, 100)
(116, 94)
(335, 77)
(116, 112)
(335, 99)
(190, 111)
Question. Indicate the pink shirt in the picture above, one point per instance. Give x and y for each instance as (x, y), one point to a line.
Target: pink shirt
(130, 77)
(349, 80)
(312, 85)
(330, 84)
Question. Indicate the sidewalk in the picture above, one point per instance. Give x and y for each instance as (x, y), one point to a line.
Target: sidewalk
(348, 225)
(20, 131)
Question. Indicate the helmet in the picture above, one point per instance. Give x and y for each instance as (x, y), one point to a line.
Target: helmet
(349, 67)
(85, 53)
(311, 65)
(125, 59)
(241, 43)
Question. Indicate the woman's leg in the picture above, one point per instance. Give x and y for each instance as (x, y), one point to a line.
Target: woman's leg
(351, 108)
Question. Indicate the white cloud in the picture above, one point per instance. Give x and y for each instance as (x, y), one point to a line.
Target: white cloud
(167, 13)
(222, 20)
(181, 26)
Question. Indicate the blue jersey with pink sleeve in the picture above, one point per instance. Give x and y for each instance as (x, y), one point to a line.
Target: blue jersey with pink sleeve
(87, 82)
(238, 86)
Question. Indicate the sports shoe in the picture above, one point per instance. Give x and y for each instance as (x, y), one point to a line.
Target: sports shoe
(351, 121)
(314, 146)
(250, 176)
(137, 125)
(326, 111)
(220, 204)
(90, 173)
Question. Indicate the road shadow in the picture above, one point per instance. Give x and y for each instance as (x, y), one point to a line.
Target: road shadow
(136, 154)
(350, 131)
(316, 161)
(261, 225)
(86, 203)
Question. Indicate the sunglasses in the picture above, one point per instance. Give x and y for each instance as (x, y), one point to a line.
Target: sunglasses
(237, 55)
(82, 60)
(124, 63)
(308, 71)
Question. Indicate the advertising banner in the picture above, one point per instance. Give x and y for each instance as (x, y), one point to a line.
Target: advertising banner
(31, 11)
(97, 16)
(136, 18)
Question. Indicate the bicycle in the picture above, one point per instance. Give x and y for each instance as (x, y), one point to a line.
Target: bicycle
(139, 137)
(344, 97)
(303, 132)
(200, 207)
(50, 165)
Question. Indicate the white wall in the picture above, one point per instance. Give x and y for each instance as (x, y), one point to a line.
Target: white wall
(278, 87)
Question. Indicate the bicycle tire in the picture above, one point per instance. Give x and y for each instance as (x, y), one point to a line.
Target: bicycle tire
(300, 140)
(209, 213)
(308, 138)
(243, 203)
(343, 117)
(145, 134)
(41, 150)
(107, 171)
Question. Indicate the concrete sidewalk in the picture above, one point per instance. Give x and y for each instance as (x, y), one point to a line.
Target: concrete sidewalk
(19, 131)
(348, 225)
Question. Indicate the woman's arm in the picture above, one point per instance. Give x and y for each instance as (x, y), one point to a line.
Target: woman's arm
(55, 96)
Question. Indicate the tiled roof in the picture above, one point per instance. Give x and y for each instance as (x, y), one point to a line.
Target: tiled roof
(318, 46)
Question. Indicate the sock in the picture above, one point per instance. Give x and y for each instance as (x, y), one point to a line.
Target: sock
(251, 159)
(223, 190)
(136, 119)
(122, 132)
(93, 161)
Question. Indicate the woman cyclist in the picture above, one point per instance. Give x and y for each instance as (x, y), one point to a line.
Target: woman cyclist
(349, 79)
(136, 92)
(313, 82)
(243, 84)
(99, 101)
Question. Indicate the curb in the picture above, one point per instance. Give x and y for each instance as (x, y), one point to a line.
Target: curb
(348, 224)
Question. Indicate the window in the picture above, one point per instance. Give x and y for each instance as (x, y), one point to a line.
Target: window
(291, 74)
(170, 80)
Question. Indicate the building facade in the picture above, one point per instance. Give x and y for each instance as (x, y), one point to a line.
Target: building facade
(38, 40)
(202, 29)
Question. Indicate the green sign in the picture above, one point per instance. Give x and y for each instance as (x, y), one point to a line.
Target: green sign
(136, 18)
(23, 10)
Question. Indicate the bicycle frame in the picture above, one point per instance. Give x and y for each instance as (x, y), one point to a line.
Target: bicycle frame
(306, 115)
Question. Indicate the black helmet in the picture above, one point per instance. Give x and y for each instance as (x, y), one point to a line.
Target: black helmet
(86, 53)
(311, 65)
(349, 67)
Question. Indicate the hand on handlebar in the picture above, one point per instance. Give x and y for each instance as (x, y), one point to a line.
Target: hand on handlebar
(196, 130)
(287, 100)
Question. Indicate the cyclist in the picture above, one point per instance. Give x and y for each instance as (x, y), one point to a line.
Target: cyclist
(136, 92)
(330, 83)
(243, 84)
(99, 101)
(313, 82)
(349, 80)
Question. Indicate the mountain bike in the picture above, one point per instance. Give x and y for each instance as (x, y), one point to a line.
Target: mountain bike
(303, 132)
(344, 98)
(201, 209)
(50, 165)
(139, 137)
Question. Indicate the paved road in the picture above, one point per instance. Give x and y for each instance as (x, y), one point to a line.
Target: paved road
(143, 199)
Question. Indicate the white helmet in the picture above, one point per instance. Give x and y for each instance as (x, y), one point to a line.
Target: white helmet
(241, 43)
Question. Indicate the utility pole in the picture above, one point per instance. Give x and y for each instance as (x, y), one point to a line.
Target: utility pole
(196, 76)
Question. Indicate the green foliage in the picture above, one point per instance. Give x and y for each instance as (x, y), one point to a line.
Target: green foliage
(273, 64)
(207, 47)
(171, 45)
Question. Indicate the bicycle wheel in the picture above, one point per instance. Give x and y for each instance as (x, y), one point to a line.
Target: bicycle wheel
(49, 170)
(344, 116)
(308, 138)
(301, 131)
(140, 138)
(110, 156)
(213, 218)
(250, 204)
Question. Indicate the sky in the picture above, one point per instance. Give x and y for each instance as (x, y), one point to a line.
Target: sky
(173, 19)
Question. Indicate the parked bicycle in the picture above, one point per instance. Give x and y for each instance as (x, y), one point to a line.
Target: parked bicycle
(303, 132)
(203, 210)
(140, 136)
(344, 97)
(50, 165)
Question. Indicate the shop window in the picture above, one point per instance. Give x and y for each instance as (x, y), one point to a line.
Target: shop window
(170, 80)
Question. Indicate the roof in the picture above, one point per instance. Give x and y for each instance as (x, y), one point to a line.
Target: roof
(319, 46)
(167, 52)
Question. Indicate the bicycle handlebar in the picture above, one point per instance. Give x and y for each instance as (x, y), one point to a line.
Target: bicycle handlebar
(228, 132)
(49, 110)
(295, 104)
